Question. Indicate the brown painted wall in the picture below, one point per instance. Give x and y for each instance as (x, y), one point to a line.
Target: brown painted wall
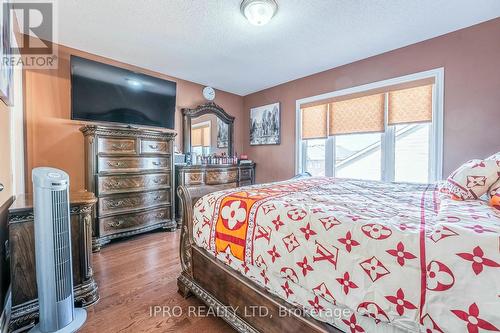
(53, 139)
(471, 59)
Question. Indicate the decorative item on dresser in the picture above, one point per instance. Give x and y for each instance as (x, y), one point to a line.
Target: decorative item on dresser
(22, 257)
(131, 172)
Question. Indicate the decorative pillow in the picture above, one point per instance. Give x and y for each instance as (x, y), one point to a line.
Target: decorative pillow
(495, 188)
(495, 199)
(472, 179)
(495, 157)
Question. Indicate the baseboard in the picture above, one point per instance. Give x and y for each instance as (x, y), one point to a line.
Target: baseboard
(5, 316)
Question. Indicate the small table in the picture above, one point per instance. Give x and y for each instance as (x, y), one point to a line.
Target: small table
(22, 256)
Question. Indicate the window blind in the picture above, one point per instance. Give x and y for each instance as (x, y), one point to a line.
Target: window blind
(375, 91)
(315, 122)
(206, 137)
(358, 115)
(410, 105)
(200, 136)
(364, 112)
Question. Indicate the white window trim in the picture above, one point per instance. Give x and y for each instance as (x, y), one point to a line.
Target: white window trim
(436, 152)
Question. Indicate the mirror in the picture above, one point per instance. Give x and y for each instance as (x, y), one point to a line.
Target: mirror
(208, 130)
(209, 135)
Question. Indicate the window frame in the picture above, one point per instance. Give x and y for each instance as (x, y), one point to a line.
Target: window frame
(387, 143)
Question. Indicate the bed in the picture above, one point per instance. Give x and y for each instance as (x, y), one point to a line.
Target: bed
(333, 255)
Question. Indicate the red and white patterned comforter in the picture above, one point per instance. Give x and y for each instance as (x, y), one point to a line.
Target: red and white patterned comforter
(400, 256)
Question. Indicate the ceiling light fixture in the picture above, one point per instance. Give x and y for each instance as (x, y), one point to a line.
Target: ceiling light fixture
(259, 12)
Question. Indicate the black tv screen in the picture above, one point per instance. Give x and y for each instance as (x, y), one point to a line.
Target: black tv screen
(106, 93)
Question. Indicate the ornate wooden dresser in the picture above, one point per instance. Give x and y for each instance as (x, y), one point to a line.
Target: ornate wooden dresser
(131, 172)
(22, 257)
(219, 176)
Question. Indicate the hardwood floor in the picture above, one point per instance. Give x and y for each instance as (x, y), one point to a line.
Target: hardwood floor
(134, 276)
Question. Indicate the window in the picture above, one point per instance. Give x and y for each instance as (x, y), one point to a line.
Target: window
(389, 130)
(315, 157)
(358, 156)
(200, 138)
(411, 153)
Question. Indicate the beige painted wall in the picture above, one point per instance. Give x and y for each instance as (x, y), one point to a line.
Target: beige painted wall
(53, 139)
(471, 59)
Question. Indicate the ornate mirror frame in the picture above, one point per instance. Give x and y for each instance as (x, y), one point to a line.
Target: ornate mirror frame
(207, 108)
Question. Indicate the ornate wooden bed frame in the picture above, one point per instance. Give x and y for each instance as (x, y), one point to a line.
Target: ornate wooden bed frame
(246, 306)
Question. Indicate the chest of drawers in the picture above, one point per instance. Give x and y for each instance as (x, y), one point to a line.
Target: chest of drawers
(219, 176)
(131, 173)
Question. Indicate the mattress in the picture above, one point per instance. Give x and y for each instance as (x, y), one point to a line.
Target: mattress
(397, 257)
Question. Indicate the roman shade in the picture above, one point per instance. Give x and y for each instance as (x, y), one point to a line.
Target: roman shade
(315, 122)
(200, 136)
(413, 105)
(358, 115)
(364, 112)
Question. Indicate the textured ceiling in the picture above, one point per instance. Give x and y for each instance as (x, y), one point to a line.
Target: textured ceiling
(210, 42)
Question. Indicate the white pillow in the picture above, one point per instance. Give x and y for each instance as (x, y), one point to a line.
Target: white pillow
(472, 179)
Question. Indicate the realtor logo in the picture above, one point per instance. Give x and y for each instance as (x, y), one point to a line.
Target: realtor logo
(29, 28)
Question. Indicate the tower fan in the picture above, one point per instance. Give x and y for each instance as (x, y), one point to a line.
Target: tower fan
(54, 273)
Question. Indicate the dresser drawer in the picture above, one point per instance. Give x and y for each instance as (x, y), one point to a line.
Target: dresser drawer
(116, 146)
(123, 203)
(245, 183)
(214, 177)
(193, 178)
(135, 183)
(131, 164)
(245, 174)
(129, 222)
(155, 147)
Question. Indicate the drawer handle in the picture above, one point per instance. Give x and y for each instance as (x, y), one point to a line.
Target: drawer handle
(116, 204)
(158, 180)
(158, 197)
(121, 146)
(113, 184)
(1, 187)
(154, 147)
(160, 215)
(115, 224)
(117, 164)
(157, 163)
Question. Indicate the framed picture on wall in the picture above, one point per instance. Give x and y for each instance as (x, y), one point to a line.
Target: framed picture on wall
(265, 126)
(222, 134)
(6, 72)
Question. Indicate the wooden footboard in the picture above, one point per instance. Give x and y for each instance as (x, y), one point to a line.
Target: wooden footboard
(235, 298)
(187, 198)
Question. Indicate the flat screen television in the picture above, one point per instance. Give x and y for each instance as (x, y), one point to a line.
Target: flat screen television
(105, 93)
